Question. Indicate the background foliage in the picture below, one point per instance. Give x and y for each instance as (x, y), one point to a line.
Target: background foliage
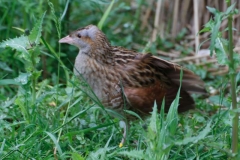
(47, 114)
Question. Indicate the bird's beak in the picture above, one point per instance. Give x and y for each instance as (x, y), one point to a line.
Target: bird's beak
(66, 39)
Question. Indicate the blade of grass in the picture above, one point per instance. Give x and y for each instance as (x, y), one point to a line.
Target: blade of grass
(105, 15)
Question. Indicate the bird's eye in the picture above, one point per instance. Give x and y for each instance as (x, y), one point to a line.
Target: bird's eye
(79, 35)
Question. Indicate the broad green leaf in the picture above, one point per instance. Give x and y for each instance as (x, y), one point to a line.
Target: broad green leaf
(35, 33)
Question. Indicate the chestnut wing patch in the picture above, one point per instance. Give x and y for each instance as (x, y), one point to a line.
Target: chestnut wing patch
(141, 99)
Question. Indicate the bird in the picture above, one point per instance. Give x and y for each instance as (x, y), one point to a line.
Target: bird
(126, 79)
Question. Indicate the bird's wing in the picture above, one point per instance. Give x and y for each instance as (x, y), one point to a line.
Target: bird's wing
(147, 78)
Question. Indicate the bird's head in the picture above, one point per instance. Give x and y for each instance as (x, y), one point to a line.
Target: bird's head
(86, 39)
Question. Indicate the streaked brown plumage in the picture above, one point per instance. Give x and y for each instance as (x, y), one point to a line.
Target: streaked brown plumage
(115, 73)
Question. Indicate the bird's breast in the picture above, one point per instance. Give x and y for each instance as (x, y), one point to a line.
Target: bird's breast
(103, 80)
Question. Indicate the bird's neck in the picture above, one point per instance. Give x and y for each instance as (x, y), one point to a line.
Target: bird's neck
(102, 55)
(91, 71)
(92, 61)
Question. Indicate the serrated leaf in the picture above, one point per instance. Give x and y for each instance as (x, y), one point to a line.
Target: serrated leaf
(19, 43)
(100, 153)
(220, 49)
(205, 29)
(33, 59)
(214, 35)
(22, 78)
(162, 113)
(35, 33)
(230, 9)
(238, 77)
(172, 116)
(76, 156)
(154, 117)
(132, 154)
(210, 23)
(212, 10)
(195, 139)
(236, 11)
(236, 58)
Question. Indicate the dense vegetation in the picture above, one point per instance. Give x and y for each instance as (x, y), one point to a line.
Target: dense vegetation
(46, 113)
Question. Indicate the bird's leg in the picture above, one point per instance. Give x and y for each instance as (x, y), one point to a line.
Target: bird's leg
(123, 125)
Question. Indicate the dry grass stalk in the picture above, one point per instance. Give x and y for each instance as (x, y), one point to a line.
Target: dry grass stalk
(175, 18)
(196, 24)
(156, 21)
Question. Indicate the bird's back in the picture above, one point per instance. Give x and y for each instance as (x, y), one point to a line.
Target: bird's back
(146, 78)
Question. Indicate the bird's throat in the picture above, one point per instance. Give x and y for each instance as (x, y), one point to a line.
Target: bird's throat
(91, 71)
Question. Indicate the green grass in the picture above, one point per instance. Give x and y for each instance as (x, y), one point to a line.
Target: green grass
(46, 113)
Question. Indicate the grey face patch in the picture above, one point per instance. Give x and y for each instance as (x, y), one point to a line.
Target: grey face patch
(92, 31)
(89, 31)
